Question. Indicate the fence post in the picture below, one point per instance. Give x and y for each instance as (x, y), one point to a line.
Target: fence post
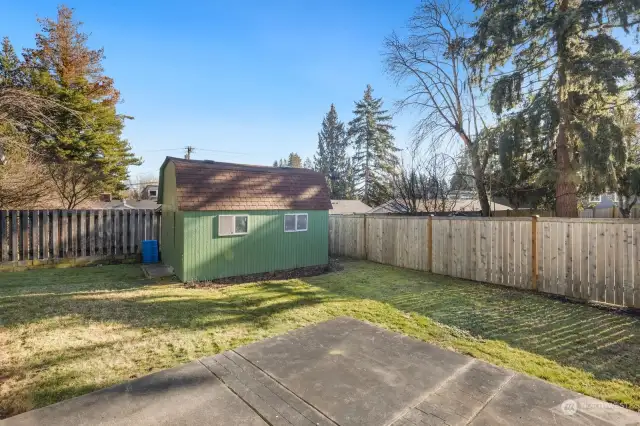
(534, 252)
(430, 243)
(366, 251)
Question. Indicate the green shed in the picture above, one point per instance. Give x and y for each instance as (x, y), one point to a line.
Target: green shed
(223, 220)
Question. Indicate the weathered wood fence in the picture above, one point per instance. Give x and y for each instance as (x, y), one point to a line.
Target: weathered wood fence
(32, 237)
(590, 259)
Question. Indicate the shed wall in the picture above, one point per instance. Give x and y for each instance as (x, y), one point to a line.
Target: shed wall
(172, 241)
(265, 248)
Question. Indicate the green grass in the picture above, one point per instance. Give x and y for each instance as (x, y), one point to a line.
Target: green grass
(68, 332)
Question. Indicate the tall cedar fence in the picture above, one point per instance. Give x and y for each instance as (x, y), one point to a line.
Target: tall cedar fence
(589, 259)
(31, 237)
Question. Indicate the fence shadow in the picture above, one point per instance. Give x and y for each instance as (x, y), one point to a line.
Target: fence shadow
(604, 343)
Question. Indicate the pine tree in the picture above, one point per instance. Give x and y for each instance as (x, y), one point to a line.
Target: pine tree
(294, 161)
(331, 158)
(560, 72)
(375, 153)
(308, 164)
(11, 69)
(275, 163)
(86, 153)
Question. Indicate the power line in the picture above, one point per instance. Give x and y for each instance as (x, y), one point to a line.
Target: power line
(195, 148)
(223, 152)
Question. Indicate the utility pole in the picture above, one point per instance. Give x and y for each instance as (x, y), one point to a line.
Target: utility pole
(189, 149)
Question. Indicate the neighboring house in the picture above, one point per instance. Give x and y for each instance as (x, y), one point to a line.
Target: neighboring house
(348, 207)
(127, 204)
(221, 220)
(464, 205)
(149, 192)
(603, 201)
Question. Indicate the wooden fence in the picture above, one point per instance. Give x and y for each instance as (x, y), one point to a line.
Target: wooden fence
(31, 237)
(590, 259)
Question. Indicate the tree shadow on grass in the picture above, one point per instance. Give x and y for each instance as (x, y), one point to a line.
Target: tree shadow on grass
(71, 280)
(191, 309)
(249, 310)
(602, 342)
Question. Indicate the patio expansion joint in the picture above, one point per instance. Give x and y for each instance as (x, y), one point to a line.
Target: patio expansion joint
(239, 387)
(461, 370)
(496, 392)
(236, 394)
(326, 416)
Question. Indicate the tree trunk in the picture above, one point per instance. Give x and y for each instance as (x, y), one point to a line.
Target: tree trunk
(624, 212)
(478, 174)
(566, 189)
(625, 205)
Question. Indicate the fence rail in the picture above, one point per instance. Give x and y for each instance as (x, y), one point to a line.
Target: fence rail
(590, 259)
(41, 236)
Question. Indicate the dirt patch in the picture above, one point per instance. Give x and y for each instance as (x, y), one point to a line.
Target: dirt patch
(287, 274)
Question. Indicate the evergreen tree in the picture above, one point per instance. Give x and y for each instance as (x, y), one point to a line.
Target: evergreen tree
(462, 178)
(11, 69)
(294, 161)
(86, 153)
(331, 158)
(375, 153)
(275, 163)
(560, 72)
(308, 164)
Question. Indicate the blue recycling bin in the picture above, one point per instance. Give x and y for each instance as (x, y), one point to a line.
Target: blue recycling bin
(150, 251)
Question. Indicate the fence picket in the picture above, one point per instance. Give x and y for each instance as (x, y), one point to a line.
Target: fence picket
(46, 236)
(35, 235)
(4, 237)
(55, 241)
(24, 244)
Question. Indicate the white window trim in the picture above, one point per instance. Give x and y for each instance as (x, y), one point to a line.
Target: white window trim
(234, 225)
(595, 199)
(296, 222)
(153, 193)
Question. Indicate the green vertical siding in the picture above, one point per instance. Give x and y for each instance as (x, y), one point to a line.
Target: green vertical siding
(265, 248)
(178, 266)
(171, 243)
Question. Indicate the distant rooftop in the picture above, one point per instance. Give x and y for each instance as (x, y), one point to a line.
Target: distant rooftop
(348, 207)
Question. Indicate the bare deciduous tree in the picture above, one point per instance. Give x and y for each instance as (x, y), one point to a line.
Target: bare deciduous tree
(423, 183)
(432, 63)
(23, 181)
(73, 183)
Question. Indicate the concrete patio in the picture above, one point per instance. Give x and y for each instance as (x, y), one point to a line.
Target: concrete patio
(340, 372)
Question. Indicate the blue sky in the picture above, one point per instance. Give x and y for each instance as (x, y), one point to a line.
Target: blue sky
(252, 78)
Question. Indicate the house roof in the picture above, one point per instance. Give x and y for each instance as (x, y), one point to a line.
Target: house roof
(212, 185)
(461, 205)
(348, 207)
(127, 204)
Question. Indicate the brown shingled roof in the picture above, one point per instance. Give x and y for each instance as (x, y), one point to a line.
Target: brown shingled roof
(210, 185)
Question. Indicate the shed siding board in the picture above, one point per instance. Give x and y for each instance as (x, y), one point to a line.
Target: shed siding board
(169, 243)
(265, 248)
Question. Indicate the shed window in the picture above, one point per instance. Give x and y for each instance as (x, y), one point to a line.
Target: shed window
(296, 222)
(595, 198)
(233, 225)
(153, 193)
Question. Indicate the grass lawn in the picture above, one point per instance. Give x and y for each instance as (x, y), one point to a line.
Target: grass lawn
(70, 331)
